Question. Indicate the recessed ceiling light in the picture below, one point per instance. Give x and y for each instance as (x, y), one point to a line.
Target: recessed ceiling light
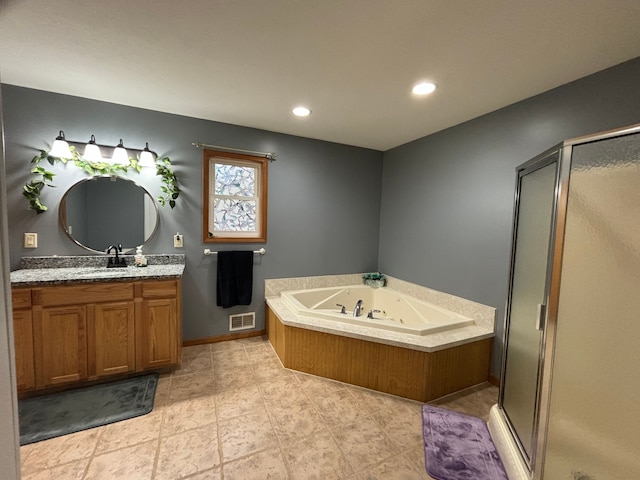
(424, 88)
(301, 112)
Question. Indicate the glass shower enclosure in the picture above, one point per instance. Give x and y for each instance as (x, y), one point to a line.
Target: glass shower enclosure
(570, 380)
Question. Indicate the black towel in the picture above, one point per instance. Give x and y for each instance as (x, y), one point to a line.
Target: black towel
(235, 278)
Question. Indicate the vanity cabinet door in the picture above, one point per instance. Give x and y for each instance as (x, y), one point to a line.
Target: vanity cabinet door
(159, 343)
(23, 339)
(111, 338)
(60, 340)
(158, 335)
(23, 345)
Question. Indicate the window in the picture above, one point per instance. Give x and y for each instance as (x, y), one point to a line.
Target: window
(234, 197)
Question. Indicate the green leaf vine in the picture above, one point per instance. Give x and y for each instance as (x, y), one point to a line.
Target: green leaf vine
(44, 178)
(170, 187)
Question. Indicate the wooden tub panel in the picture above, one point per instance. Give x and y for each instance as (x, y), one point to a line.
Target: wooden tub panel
(408, 373)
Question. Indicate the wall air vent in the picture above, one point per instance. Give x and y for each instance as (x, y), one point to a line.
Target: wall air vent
(242, 321)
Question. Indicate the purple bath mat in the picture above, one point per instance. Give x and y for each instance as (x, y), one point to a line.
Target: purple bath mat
(459, 447)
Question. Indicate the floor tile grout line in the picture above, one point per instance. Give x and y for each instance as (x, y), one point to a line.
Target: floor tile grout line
(215, 412)
(156, 459)
(256, 385)
(91, 457)
(330, 429)
(313, 404)
(287, 466)
(282, 444)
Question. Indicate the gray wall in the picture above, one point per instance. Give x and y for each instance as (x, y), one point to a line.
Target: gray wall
(324, 198)
(442, 205)
(447, 199)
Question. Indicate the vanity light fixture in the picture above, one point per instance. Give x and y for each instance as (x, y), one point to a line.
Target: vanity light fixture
(60, 147)
(301, 111)
(424, 88)
(92, 151)
(146, 157)
(120, 155)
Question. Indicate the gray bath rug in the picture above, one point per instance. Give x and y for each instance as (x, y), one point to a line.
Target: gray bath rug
(58, 414)
(459, 447)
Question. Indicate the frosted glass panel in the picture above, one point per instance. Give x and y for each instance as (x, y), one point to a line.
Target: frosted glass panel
(528, 291)
(594, 419)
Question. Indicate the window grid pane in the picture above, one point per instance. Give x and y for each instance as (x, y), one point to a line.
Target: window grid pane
(235, 180)
(234, 215)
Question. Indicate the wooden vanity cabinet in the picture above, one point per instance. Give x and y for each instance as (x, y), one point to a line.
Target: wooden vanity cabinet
(78, 332)
(83, 331)
(23, 339)
(158, 330)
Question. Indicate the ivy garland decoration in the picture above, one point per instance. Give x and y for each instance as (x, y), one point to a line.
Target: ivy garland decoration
(44, 178)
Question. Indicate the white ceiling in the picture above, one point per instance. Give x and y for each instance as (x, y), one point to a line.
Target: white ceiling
(353, 62)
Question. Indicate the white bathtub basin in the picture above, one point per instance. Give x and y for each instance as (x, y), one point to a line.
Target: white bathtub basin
(398, 312)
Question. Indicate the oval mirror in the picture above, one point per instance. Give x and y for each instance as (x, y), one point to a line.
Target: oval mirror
(109, 210)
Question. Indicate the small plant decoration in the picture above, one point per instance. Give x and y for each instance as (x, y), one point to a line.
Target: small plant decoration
(44, 178)
(374, 279)
(170, 187)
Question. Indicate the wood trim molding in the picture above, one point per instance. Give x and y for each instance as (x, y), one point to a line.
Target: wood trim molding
(224, 338)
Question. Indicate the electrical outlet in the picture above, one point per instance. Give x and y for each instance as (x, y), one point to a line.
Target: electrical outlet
(30, 240)
(178, 240)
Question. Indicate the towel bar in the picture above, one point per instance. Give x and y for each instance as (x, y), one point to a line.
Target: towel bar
(207, 251)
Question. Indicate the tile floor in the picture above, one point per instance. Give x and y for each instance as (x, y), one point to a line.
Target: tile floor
(233, 412)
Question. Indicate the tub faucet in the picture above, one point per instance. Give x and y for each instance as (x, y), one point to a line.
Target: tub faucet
(357, 311)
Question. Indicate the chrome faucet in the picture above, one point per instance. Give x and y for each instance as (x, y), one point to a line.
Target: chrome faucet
(357, 311)
(371, 312)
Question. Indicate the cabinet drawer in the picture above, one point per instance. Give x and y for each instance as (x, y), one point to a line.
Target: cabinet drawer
(160, 289)
(21, 298)
(83, 293)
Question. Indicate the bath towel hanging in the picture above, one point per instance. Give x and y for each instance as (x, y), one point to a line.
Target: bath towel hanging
(235, 278)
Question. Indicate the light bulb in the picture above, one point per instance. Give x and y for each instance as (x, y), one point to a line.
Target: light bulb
(301, 111)
(92, 151)
(424, 88)
(146, 157)
(60, 147)
(120, 155)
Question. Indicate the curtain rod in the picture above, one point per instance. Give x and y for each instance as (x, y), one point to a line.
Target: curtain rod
(271, 156)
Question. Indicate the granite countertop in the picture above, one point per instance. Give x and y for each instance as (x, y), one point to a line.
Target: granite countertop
(39, 271)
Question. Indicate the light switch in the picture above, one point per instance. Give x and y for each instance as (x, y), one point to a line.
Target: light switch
(30, 240)
(178, 240)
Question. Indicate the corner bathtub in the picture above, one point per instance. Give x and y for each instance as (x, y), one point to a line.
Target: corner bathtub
(411, 348)
(391, 310)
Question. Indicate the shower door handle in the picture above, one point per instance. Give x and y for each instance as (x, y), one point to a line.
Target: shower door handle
(540, 314)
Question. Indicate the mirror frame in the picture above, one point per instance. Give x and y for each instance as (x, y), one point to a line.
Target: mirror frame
(62, 212)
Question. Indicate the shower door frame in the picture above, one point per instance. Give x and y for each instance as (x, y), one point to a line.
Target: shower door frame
(564, 152)
(549, 157)
(555, 264)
